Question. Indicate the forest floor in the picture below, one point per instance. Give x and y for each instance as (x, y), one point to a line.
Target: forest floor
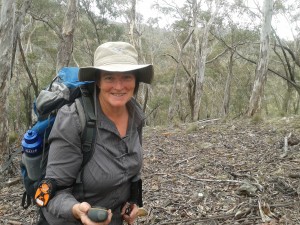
(209, 172)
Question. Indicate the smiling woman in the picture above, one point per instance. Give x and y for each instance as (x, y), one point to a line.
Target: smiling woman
(111, 179)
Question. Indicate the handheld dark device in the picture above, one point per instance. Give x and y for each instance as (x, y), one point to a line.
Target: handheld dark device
(98, 214)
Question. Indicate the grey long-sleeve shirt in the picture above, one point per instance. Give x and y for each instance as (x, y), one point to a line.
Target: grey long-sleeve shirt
(108, 174)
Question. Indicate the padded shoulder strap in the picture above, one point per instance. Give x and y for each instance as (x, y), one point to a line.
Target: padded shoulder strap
(86, 111)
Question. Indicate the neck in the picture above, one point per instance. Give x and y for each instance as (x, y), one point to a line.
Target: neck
(119, 116)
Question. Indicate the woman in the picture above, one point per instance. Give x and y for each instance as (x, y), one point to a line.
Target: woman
(111, 175)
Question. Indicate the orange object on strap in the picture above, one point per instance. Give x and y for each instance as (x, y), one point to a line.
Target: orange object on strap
(44, 192)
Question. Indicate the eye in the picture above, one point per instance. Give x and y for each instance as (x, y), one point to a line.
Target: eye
(107, 77)
(128, 76)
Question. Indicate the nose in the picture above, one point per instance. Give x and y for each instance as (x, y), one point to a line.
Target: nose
(118, 84)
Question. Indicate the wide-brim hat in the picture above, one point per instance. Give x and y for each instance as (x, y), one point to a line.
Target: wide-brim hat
(117, 57)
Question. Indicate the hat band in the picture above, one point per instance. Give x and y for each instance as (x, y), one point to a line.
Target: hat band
(116, 59)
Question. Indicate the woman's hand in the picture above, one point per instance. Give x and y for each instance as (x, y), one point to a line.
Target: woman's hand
(132, 210)
(80, 211)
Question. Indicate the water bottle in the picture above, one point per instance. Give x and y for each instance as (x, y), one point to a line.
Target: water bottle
(32, 145)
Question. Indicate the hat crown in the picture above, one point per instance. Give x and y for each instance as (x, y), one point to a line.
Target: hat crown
(116, 57)
(115, 53)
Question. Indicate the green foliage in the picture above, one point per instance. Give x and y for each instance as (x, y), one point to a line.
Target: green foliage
(98, 24)
(158, 106)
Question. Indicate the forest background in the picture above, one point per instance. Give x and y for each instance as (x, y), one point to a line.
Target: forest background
(213, 59)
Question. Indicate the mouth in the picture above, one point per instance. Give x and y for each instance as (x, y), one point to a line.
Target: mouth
(118, 94)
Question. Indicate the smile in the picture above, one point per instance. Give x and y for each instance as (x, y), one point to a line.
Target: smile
(118, 95)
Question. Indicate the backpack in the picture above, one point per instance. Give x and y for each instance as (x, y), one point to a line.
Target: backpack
(64, 89)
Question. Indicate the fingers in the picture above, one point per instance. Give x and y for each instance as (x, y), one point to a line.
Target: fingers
(80, 211)
(130, 213)
(125, 209)
(109, 217)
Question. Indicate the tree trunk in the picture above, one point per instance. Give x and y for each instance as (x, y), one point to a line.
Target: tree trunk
(135, 39)
(132, 23)
(200, 64)
(65, 47)
(263, 61)
(174, 94)
(6, 46)
(286, 99)
(226, 99)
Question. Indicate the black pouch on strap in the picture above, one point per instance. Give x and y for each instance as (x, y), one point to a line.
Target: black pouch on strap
(136, 193)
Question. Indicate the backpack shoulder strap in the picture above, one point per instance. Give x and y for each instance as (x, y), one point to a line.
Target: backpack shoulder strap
(86, 111)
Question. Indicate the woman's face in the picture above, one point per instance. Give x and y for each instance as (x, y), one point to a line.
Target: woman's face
(116, 88)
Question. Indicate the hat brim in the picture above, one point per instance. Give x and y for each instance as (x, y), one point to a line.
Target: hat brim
(144, 72)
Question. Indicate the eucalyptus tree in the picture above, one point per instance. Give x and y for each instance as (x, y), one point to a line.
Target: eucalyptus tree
(198, 18)
(135, 38)
(44, 44)
(202, 50)
(6, 37)
(263, 61)
(65, 46)
(11, 18)
(132, 23)
(97, 24)
(182, 31)
(287, 52)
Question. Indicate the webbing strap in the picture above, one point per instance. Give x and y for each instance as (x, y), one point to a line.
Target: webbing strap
(26, 200)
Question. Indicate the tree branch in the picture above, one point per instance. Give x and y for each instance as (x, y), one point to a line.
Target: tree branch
(296, 86)
(34, 85)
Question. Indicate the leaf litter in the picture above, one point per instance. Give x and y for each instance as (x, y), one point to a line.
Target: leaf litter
(209, 172)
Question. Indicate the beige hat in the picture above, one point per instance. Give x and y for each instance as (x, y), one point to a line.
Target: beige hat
(117, 57)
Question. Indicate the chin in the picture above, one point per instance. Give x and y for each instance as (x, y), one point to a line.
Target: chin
(118, 105)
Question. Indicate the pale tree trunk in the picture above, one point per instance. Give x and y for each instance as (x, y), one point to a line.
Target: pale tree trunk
(201, 55)
(135, 40)
(132, 23)
(226, 99)
(65, 47)
(263, 60)
(19, 16)
(6, 47)
(174, 94)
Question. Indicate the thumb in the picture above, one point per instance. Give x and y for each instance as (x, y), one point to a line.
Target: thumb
(84, 207)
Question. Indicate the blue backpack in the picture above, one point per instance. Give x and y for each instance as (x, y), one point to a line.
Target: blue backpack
(64, 89)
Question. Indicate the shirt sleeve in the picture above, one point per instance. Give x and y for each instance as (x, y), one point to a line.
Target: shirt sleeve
(64, 160)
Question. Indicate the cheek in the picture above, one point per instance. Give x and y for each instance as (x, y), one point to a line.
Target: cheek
(133, 85)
